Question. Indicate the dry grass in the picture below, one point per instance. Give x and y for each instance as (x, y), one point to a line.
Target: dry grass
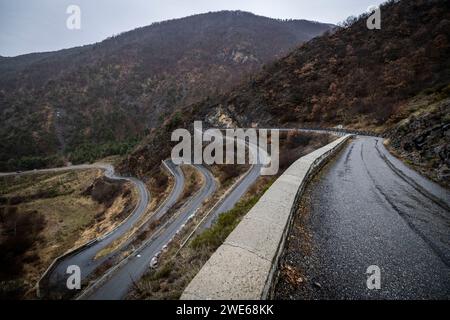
(193, 181)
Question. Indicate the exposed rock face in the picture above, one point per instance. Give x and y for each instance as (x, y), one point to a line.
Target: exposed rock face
(219, 118)
(424, 141)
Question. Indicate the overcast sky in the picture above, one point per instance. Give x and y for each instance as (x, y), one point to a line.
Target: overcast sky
(40, 25)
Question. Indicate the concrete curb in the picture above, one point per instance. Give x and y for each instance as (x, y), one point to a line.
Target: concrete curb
(244, 267)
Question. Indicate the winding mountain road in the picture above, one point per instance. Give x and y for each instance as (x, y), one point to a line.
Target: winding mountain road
(85, 259)
(369, 209)
(116, 285)
(120, 281)
(57, 275)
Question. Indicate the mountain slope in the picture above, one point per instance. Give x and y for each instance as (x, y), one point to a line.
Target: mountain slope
(357, 77)
(93, 100)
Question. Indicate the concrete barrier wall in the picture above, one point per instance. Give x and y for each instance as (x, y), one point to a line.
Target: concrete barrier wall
(243, 267)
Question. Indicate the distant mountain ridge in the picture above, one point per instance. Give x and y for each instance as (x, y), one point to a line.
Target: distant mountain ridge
(89, 101)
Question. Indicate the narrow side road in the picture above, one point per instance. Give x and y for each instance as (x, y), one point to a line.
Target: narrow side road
(369, 209)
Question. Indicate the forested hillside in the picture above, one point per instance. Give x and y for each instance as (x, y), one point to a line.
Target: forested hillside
(88, 102)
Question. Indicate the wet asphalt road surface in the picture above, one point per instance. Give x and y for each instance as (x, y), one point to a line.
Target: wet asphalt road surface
(367, 208)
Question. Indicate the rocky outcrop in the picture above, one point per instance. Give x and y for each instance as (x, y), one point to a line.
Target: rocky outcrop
(423, 140)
